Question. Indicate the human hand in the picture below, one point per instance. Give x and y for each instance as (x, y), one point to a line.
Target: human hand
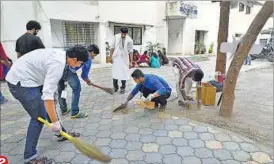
(88, 82)
(56, 126)
(148, 98)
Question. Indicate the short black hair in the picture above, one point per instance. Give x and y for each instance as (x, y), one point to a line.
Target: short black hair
(198, 75)
(124, 30)
(33, 25)
(145, 52)
(94, 48)
(79, 52)
(137, 74)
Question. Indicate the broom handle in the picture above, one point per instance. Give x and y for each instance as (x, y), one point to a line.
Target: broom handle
(48, 125)
(97, 86)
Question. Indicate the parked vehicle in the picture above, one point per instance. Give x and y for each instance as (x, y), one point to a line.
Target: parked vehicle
(266, 53)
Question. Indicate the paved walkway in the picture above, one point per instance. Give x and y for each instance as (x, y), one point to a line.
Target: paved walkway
(134, 136)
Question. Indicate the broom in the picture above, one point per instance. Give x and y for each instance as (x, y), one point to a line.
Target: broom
(89, 150)
(108, 90)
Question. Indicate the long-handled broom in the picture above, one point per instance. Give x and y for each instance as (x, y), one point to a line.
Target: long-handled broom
(89, 150)
(108, 90)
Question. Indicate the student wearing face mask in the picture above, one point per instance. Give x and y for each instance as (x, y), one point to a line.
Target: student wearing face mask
(29, 41)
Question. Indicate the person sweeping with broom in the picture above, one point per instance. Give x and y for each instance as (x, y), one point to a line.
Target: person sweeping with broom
(38, 68)
(72, 78)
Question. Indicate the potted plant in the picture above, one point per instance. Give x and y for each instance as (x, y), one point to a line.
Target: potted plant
(210, 50)
(202, 49)
(197, 47)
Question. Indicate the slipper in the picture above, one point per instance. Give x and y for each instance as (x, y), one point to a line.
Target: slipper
(79, 115)
(66, 112)
(61, 138)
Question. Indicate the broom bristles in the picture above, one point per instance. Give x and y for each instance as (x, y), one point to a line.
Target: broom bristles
(89, 150)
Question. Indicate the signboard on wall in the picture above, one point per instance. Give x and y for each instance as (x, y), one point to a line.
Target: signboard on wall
(181, 9)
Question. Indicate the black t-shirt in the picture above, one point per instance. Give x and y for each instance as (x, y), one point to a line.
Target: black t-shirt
(27, 43)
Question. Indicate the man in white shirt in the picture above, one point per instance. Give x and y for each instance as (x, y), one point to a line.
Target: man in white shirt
(36, 69)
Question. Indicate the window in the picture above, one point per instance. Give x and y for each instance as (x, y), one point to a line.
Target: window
(77, 33)
(247, 11)
(241, 7)
(134, 32)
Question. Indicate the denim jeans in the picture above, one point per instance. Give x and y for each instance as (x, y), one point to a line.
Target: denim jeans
(248, 60)
(75, 85)
(30, 99)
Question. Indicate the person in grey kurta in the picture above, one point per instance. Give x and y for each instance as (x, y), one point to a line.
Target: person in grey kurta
(121, 54)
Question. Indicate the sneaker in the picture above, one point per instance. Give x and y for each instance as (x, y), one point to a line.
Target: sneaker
(40, 160)
(66, 112)
(122, 91)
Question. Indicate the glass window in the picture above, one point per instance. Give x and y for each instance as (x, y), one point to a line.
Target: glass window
(135, 33)
(247, 11)
(241, 7)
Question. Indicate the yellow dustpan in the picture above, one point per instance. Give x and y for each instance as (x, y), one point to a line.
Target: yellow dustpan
(89, 150)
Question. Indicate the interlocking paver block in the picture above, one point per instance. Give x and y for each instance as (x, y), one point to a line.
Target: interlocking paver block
(148, 138)
(134, 145)
(211, 161)
(65, 157)
(160, 133)
(249, 147)
(145, 131)
(175, 134)
(118, 153)
(206, 136)
(172, 159)
(136, 155)
(131, 130)
(213, 144)
(191, 160)
(80, 158)
(163, 140)
(190, 135)
(92, 126)
(261, 157)
(153, 158)
(231, 162)
(118, 135)
(222, 154)
(104, 127)
(119, 143)
(200, 129)
(150, 147)
(179, 142)
(240, 155)
(119, 161)
(171, 127)
(185, 128)
(231, 146)
(103, 134)
(196, 143)
(102, 141)
(203, 153)
(132, 137)
(222, 137)
(167, 149)
(185, 151)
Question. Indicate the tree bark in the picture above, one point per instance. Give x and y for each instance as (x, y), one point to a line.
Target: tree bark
(239, 57)
(222, 35)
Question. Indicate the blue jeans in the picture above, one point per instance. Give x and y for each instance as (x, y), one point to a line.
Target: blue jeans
(30, 99)
(248, 60)
(75, 85)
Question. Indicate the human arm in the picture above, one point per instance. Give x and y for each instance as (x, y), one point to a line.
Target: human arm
(130, 51)
(85, 71)
(112, 46)
(53, 75)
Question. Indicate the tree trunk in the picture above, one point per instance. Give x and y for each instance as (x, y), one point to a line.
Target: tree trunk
(239, 57)
(222, 35)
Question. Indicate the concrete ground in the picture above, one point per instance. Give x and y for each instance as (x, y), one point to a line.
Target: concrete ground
(135, 135)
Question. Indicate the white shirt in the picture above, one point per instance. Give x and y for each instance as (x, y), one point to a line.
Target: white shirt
(39, 67)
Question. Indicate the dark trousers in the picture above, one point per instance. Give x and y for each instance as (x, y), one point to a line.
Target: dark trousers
(116, 86)
(162, 100)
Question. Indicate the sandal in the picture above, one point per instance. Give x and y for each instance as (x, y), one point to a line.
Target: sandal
(79, 115)
(40, 160)
(66, 112)
(61, 138)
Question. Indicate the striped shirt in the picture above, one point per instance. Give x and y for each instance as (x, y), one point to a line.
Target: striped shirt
(186, 67)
